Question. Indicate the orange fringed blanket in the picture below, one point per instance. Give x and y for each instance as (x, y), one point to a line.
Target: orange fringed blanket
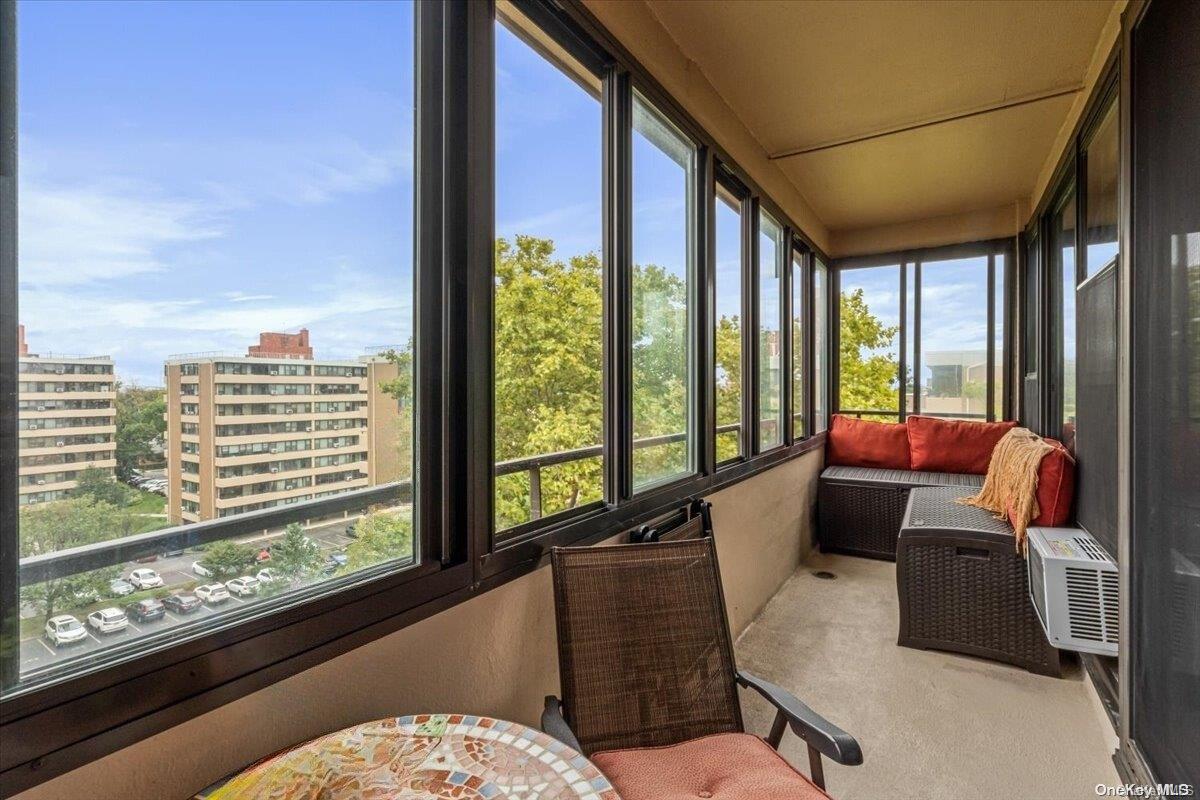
(1010, 488)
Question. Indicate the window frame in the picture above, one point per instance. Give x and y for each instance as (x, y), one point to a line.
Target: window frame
(910, 261)
(724, 177)
(64, 725)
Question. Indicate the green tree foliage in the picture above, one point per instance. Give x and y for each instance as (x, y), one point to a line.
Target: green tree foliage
(381, 536)
(729, 385)
(100, 486)
(549, 391)
(140, 424)
(228, 559)
(660, 370)
(867, 372)
(295, 555)
(49, 527)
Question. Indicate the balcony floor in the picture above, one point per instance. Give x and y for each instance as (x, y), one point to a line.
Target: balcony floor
(931, 725)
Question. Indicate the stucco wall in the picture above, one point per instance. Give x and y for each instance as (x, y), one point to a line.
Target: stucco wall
(494, 654)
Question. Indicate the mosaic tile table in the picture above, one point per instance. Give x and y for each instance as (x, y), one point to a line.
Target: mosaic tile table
(428, 756)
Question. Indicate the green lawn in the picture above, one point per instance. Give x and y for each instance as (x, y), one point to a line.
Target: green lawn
(149, 510)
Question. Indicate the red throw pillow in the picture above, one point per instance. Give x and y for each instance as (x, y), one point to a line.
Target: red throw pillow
(953, 445)
(862, 443)
(1055, 489)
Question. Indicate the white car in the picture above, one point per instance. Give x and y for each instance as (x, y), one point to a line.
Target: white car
(212, 593)
(145, 579)
(265, 576)
(199, 568)
(120, 587)
(108, 620)
(243, 586)
(64, 629)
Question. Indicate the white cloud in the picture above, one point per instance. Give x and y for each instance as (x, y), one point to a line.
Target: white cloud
(82, 234)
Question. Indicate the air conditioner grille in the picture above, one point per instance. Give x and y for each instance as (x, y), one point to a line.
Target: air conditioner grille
(1091, 548)
(1092, 604)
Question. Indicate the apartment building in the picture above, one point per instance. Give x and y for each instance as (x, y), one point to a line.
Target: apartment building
(276, 427)
(66, 421)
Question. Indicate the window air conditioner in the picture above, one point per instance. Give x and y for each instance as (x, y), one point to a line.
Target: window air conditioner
(60, 371)
(1073, 585)
(41, 482)
(60, 389)
(60, 443)
(274, 372)
(308, 429)
(274, 469)
(337, 444)
(289, 411)
(41, 408)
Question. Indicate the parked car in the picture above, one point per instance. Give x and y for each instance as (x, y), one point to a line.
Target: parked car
(120, 587)
(64, 629)
(146, 610)
(145, 579)
(352, 530)
(212, 593)
(147, 558)
(108, 620)
(201, 569)
(244, 586)
(172, 553)
(182, 603)
(265, 576)
(334, 562)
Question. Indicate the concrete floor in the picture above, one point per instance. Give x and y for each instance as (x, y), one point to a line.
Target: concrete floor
(932, 725)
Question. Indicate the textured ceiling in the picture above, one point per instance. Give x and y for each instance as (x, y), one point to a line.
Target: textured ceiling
(803, 74)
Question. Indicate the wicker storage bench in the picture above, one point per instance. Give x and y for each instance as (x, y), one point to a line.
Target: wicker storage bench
(963, 587)
(859, 509)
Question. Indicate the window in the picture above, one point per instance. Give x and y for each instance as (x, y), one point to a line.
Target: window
(798, 344)
(954, 376)
(869, 355)
(1063, 276)
(820, 328)
(664, 176)
(770, 332)
(730, 433)
(247, 183)
(999, 280)
(1100, 161)
(549, 322)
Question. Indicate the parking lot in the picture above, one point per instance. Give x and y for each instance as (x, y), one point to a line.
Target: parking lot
(38, 653)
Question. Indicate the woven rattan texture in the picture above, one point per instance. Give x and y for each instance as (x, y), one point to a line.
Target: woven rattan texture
(644, 645)
(965, 589)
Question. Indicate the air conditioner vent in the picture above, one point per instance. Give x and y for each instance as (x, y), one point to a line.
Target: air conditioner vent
(1074, 588)
(1091, 548)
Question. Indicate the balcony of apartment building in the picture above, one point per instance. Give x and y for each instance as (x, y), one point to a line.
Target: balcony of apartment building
(824, 372)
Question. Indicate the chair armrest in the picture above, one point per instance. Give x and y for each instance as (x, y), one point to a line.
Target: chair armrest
(556, 725)
(818, 732)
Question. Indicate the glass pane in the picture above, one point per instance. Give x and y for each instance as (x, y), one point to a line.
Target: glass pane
(1062, 249)
(910, 339)
(728, 326)
(999, 375)
(549, 323)
(954, 338)
(228, 223)
(1102, 167)
(664, 174)
(869, 341)
(820, 345)
(770, 314)
(797, 344)
(1032, 304)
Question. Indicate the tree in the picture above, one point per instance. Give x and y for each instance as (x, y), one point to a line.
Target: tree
(140, 427)
(228, 559)
(99, 485)
(729, 384)
(50, 527)
(548, 376)
(867, 372)
(295, 555)
(380, 536)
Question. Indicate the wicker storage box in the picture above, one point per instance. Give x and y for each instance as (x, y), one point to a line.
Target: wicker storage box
(859, 509)
(963, 587)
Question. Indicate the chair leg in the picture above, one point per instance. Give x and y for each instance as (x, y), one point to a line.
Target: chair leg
(777, 729)
(815, 767)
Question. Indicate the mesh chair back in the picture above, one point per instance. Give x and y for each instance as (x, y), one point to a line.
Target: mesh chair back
(643, 644)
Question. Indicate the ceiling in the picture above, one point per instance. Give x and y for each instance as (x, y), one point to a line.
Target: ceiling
(805, 74)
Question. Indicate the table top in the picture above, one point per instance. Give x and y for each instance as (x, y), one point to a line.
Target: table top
(424, 756)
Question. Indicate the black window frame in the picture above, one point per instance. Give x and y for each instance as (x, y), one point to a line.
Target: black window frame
(909, 263)
(61, 726)
(727, 179)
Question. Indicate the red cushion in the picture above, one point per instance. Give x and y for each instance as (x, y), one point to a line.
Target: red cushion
(863, 443)
(1055, 489)
(724, 766)
(953, 445)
